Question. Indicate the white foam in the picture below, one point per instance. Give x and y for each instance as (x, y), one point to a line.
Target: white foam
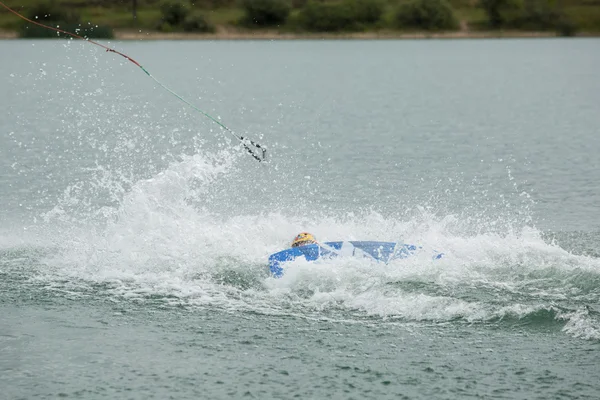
(581, 325)
(159, 240)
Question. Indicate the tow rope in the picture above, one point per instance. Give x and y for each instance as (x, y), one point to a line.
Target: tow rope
(256, 150)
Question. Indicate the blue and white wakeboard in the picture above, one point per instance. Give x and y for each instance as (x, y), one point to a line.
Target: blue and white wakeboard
(379, 251)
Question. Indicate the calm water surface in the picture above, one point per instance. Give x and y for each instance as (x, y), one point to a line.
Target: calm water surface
(134, 233)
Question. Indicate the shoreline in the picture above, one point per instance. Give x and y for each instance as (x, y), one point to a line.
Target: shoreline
(226, 34)
(274, 35)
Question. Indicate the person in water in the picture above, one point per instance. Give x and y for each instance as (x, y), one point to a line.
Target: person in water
(303, 239)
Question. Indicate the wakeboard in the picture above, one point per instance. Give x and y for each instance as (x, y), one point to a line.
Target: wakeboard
(378, 251)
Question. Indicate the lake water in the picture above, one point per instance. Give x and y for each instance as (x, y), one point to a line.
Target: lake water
(135, 233)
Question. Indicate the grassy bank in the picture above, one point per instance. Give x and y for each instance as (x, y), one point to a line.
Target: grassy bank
(239, 19)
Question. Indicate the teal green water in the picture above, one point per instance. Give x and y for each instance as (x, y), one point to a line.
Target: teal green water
(134, 234)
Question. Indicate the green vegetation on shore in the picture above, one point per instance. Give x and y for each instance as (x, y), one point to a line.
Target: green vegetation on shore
(99, 18)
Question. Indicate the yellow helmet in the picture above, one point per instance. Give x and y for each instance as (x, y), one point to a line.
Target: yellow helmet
(302, 239)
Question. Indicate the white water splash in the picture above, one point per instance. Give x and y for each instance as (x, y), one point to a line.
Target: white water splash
(159, 240)
(581, 325)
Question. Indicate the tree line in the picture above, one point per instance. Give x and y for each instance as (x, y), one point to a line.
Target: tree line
(317, 15)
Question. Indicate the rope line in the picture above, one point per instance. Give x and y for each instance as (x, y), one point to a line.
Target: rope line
(245, 141)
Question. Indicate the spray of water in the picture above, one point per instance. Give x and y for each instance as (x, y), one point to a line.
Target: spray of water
(161, 240)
